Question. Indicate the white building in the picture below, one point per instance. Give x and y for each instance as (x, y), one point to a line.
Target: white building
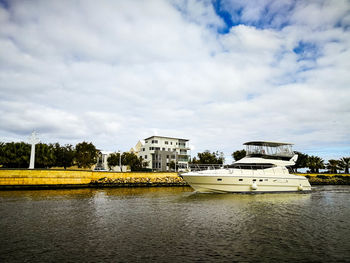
(137, 148)
(160, 152)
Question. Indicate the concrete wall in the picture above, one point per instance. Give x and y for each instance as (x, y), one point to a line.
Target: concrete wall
(18, 178)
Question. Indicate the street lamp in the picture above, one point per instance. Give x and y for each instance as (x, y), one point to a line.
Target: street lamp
(120, 161)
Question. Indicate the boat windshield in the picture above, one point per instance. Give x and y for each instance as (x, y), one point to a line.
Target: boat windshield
(268, 149)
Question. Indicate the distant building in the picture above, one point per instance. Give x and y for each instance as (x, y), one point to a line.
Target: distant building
(137, 148)
(161, 153)
(102, 163)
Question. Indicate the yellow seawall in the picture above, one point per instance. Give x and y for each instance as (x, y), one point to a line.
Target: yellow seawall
(13, 178)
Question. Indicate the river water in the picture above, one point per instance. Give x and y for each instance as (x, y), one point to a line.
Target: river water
(174, 225)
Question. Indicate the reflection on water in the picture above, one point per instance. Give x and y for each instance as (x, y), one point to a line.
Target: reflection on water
(174, 224)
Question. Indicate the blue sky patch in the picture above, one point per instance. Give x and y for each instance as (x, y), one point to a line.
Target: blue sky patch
(306, 51)
(225, 16)
(267, 17)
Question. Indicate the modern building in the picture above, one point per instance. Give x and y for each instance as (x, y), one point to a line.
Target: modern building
(165, 153)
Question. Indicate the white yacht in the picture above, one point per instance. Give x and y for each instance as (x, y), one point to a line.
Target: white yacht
(263, 169)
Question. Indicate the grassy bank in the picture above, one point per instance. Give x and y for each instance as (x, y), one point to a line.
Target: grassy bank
(329, 179)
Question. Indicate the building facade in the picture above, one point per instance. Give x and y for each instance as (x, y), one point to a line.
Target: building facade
(165, 153)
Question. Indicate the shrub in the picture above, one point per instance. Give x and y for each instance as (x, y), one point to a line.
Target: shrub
(323, 176)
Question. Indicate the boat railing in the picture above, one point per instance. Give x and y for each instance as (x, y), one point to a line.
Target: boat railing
(254, 168)
(201, 167)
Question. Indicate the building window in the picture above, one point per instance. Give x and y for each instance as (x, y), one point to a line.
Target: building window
(167, 156)
(157, 148)
(145, 156)
(169, 149)
(166, 142)
(154, 141)
(143, 149)
(163, 149)
(151, 148)
(171, 143)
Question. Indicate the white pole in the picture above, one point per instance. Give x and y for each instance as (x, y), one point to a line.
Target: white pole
(32, 140)
(120, 161)
(32, 157)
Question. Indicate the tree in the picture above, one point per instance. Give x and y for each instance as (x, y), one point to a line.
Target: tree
(132, 161)
(238, 155)
(86, 154)
(113, 160)
(207, 157)
(172, 165)
(333, 166)
(44, 155)
(2, 148)
(301, 162)
(14, 155)
(315, 163)
(64, 155)
(344, 164)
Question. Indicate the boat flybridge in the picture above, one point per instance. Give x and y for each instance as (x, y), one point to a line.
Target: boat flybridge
(263, 169)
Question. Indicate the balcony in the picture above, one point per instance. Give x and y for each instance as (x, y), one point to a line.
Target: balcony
(183, 158)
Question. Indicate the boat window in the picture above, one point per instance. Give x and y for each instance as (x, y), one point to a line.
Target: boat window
(254, 180)
(219, 179)
(266, 180)
(240, 180)
(251, 166)
(260, 180)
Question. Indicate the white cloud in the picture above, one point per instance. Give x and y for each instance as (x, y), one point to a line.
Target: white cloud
(115, 72)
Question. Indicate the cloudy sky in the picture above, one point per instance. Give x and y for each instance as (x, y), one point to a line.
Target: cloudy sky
(219, 73)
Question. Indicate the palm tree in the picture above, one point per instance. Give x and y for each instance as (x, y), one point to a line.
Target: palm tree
(301, 162)
(315, 163)
(344, 164)
(333, 166)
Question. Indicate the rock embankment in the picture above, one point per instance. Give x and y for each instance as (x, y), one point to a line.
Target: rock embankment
(139, 181)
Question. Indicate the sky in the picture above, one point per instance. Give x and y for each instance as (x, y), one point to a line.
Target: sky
(219, 73)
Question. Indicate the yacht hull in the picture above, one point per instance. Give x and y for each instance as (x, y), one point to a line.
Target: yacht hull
(247, 184)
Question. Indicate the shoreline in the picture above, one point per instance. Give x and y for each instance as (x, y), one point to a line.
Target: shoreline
(18, 179)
